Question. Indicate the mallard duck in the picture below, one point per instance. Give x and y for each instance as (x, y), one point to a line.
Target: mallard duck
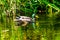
(23, 20)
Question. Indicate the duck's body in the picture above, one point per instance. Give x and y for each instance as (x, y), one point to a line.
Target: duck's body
(24, 20)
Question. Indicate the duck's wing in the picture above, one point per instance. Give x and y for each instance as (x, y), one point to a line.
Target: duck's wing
(25, 23)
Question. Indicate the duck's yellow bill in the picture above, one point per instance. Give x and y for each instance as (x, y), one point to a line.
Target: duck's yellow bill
(37, 16)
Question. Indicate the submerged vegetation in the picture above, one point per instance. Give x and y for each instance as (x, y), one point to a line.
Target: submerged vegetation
(45, 13)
